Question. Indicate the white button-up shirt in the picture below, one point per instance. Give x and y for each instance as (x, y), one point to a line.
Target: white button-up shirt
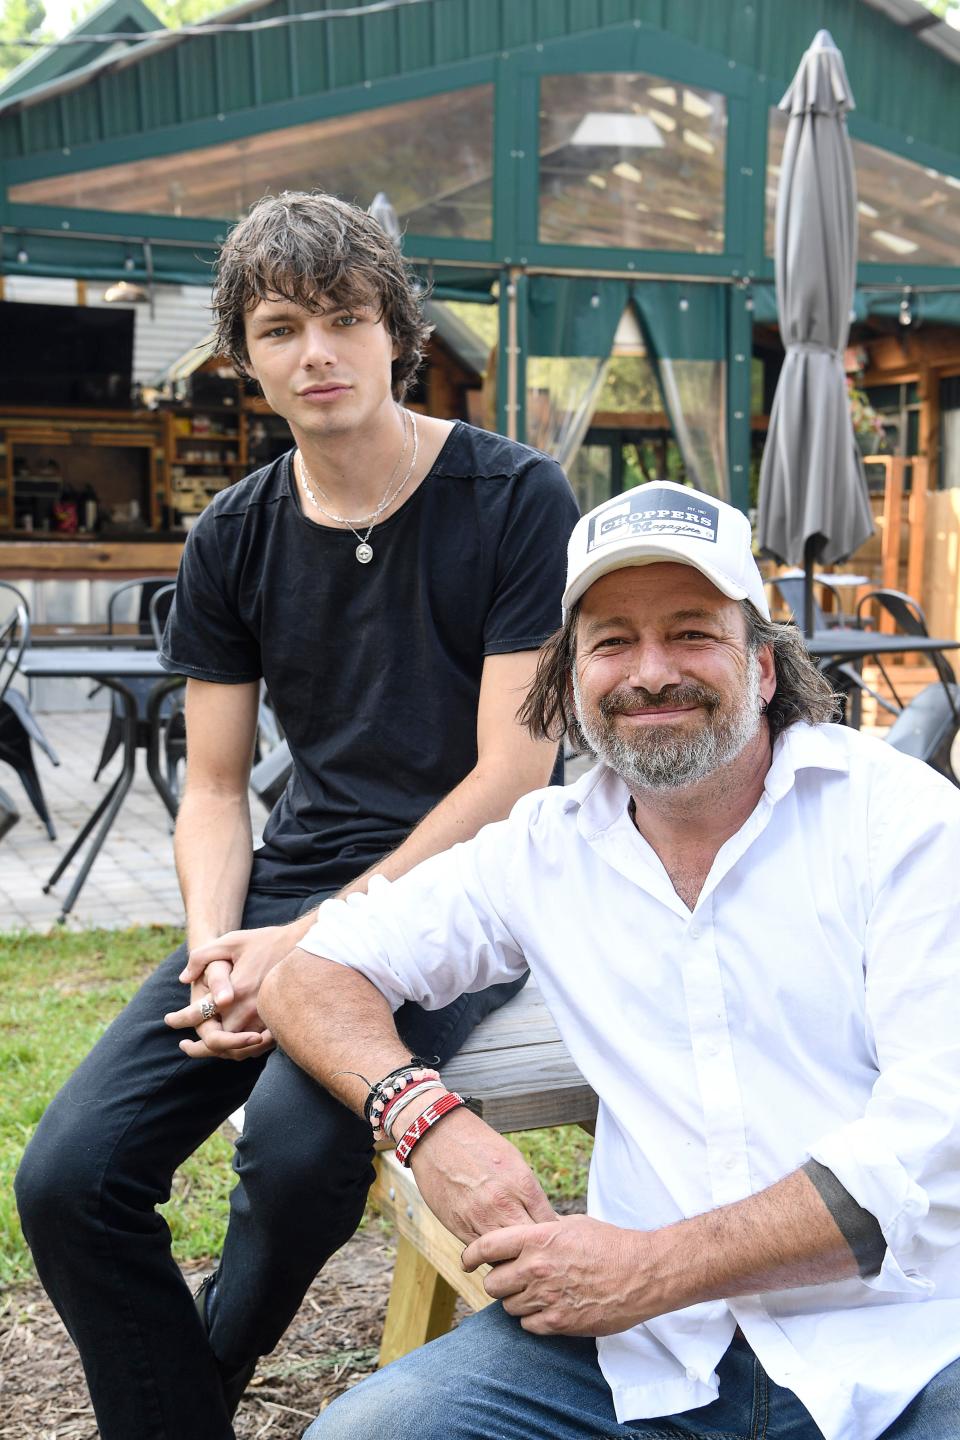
(809, 1006)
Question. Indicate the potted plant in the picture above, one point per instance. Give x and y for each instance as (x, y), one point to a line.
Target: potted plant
(867, 423)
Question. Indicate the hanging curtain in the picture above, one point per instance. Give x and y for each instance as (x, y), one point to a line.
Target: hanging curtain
(571, 328)
(562, 394)
(685, 329)
(572, 324)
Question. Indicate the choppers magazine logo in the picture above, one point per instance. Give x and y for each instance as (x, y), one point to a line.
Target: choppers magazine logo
(662, 512)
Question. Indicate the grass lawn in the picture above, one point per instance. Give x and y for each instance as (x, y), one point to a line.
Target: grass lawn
(58, 993)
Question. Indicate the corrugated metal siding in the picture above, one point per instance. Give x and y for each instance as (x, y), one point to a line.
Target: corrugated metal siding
(897, 81)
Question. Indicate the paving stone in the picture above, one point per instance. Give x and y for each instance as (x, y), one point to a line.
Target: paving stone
(133, 880)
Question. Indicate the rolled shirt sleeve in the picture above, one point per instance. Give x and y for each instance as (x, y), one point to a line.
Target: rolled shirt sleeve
(433, 934)
(901, 1158)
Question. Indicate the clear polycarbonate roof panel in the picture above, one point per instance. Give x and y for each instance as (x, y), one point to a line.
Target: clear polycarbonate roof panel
(631, 161)
(443, 187)
(906, 213)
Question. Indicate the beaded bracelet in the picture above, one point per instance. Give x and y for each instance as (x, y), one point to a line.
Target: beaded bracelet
(428, 1118)
(389, 1091)
(389, 1117)
(404, 1091)
(378, 1091)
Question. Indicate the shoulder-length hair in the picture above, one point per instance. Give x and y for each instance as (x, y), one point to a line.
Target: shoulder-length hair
(802, 691)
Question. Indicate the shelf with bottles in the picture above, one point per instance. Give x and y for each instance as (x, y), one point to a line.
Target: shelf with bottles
(268, 434)
(207, 439)
(75, 474)
(191, 488)
(220, 462)
(205, 451)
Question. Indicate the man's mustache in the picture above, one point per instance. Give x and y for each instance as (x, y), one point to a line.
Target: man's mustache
(632, 698)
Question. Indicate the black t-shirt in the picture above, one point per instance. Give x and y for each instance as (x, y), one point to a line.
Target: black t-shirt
(374, 670)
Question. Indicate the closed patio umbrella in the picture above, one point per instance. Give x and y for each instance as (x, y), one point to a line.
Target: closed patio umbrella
(814, 507)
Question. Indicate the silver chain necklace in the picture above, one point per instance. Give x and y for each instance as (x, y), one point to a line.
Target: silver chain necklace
(364, 550)
(312, 489)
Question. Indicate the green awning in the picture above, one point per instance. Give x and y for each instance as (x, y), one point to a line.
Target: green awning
(935, 307)
(683, 321)
(574, 317)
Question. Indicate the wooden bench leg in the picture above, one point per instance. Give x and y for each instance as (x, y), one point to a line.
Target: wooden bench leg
(427, 1275)
(421, 1304)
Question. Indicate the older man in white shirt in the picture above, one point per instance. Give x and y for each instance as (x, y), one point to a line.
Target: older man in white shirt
(744, 921)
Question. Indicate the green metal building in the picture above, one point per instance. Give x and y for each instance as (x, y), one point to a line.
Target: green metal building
(565, 159)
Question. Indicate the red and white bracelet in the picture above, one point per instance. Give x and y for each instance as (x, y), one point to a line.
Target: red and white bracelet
(387, 1091)
(410, 1093)
(424, 1121)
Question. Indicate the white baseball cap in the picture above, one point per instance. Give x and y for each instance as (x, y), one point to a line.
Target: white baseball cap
(662, 521)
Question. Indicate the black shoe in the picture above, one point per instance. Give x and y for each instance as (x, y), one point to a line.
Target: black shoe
(234, 1382)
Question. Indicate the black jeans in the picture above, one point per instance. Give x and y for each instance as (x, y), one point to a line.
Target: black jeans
(103, 1158)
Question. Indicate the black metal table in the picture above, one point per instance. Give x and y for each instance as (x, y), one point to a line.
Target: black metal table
(113, 668)
(69, 639)
(842, 646)
(835, 648)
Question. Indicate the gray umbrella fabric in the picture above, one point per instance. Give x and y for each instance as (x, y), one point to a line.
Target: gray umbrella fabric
(813, 504)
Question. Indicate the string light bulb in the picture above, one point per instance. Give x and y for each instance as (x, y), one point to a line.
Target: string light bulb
(906, 316)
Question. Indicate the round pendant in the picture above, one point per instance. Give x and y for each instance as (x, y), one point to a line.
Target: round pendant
(364, 552)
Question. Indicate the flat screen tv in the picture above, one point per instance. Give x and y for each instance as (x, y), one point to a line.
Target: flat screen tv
(65, 355)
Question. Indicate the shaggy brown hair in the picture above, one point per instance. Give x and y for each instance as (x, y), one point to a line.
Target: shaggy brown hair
(314, 250)
(802, 692)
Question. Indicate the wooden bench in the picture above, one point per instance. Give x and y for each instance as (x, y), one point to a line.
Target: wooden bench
(516, 1070)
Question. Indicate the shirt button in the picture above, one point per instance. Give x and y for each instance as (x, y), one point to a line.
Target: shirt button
(711, 1048)
(691, 1373)
(695, 932)
(730, 1162)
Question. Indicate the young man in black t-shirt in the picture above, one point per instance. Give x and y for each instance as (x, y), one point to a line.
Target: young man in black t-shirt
(390, 579)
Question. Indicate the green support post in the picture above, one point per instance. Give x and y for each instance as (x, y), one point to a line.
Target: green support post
(522, 284)
(512, 355)
(739, 354)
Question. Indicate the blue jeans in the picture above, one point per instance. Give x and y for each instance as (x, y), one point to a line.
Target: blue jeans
(103, 1158)
(490, 1380)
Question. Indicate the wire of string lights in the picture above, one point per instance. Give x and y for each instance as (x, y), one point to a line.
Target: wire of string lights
(238, 27)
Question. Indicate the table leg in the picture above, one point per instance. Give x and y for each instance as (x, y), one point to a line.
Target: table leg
(106, 811)
(78, 839)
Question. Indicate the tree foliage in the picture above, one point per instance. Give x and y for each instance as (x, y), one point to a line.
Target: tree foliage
(943, 8)
(19, 19)
(174, 13)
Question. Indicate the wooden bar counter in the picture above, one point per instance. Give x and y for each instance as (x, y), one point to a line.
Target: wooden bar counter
(64, 557)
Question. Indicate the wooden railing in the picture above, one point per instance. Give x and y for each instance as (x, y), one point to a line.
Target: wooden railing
(894, 575)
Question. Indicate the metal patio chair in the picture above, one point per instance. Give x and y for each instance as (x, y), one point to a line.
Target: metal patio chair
(792, 590)
(927, 726)
(268, 778)
(148, 587)
(845, 678)
(273, 765)
(173, 722)
(19, 729)
(9, 814)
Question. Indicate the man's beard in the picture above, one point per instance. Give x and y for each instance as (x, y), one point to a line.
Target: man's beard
(672, 756)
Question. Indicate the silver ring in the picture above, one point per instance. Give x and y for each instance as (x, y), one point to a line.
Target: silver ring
(208, 1009)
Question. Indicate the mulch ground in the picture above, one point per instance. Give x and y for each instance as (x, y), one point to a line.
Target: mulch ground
(331, 1345)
